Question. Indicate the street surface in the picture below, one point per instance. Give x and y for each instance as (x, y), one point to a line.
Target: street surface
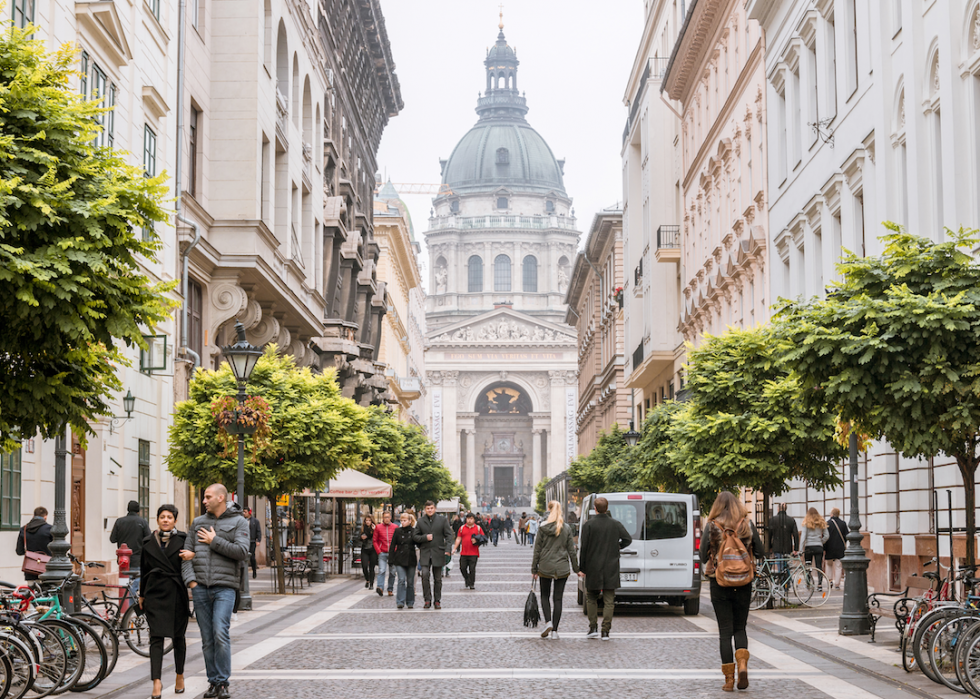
(341, 640)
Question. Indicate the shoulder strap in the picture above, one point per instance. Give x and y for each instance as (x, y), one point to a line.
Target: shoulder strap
(836, 527)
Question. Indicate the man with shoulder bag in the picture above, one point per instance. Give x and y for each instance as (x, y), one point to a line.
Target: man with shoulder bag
(32, 544)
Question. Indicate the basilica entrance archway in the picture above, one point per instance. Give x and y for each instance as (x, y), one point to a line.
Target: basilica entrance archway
(503, 426)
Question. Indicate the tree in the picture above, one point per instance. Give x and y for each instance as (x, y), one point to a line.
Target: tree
(589, 471)
(71, 288)
(894, 346)
(387, 446)
(311, 433)
(748, 422)
(422, 475)
(541, 497)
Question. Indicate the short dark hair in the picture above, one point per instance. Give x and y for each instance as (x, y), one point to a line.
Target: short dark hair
(133, 506)
(470, 515)
(40, 512)
(172, 509)
(429, 502)
(601, 505)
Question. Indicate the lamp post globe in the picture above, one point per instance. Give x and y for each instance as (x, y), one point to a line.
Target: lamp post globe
(632, 437)
(129, 403)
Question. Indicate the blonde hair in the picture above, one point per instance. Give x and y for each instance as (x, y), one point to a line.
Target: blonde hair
(813, 520)
(556, 515)
(835, 512)
(411, 517)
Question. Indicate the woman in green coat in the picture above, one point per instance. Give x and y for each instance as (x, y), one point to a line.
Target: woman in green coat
(554, 560)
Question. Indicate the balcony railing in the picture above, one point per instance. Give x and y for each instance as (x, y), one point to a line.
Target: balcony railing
(655, 69)
(534, 222)
(668, 237)
(638, 356)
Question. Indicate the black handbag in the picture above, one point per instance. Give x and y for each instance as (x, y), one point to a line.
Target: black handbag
(531, 614)
(478, 540)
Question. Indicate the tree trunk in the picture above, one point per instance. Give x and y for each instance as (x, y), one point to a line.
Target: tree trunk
(277, 549)
(766, 511)
(968, 471)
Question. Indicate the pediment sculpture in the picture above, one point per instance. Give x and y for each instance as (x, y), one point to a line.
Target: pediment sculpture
(505, 330)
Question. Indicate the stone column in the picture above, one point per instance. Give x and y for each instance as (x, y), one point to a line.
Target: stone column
(471, 461)
(535, 457)
(488, 266)
(450, 446)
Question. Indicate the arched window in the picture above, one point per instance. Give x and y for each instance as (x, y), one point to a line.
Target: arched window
(530, 273)
(475, 269)
(501, 273)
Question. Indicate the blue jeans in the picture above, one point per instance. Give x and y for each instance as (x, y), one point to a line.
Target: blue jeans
(382, 567)
(530, 538)
(406, 586)
(213, 607)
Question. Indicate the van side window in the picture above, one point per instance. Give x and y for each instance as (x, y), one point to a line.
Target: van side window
(628, 514)
(666, 520)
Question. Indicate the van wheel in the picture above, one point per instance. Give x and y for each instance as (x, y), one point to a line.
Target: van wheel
(692, 606)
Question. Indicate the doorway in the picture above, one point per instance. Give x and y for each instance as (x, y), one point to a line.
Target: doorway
(503, 481)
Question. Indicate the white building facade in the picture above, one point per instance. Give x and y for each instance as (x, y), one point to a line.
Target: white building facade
(874, 115)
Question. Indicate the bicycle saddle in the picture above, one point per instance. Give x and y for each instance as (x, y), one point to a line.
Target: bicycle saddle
(932, 575)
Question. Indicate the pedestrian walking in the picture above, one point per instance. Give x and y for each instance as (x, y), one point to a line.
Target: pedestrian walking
(219, 540)
(131, 530)
(834, 547)
(784, 537)
(532, 530)
(254, 537)
(35, 537)
(600, 539)
(369, 557)
(163, 595)
(522, 529)
(469, 553)
(509, 525)
(456, 523)
(731, 604)
(383, 534)
(553, 560)
(435, 540)
(815, 534)
(495, 529)
(402, 556)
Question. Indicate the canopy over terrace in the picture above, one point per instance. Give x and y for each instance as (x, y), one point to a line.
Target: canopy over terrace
(353, 485)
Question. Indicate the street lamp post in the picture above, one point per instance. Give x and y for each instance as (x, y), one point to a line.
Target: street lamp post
(318, 575)
(632, 437)
(854, 619)
(242, 356)
(59, 567)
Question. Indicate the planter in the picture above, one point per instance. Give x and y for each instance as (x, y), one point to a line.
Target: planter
(240, 428)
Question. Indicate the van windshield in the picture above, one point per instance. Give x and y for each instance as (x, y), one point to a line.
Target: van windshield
(650, 521)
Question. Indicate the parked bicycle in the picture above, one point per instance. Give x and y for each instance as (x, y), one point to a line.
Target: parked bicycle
(777, 577)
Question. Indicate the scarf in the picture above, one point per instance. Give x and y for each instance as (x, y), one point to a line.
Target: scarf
(165, 537)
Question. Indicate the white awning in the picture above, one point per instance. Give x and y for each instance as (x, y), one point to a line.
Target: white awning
(353, 485)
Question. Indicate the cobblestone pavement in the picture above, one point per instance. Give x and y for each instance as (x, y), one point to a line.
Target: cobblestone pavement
(341, 640)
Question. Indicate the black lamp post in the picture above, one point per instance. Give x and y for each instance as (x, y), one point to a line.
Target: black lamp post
(242, 357)
(59, 567)
(129, 405)
(318, 574)
(854, 620)
(632, 437)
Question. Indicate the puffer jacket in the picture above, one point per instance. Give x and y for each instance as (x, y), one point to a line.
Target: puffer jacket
(222, 564)
(814, 537)
(552, 552)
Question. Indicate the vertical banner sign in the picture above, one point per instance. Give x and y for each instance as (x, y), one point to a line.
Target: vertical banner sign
(570, 441)
(437, 419)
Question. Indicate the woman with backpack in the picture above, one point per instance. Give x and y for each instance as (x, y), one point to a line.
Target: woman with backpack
(729, 545)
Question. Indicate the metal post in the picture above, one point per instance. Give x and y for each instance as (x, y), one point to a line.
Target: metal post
(59, 567)
(245, 600)
(854, 619)
(318, 575)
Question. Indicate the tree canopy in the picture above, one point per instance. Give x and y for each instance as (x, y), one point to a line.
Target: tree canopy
(894, 346)
(72, 291)
(589, 471)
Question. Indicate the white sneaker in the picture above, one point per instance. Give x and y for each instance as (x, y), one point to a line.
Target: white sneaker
(554, 635)
(547, 631)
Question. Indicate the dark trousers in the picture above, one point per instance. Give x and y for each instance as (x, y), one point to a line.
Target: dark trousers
(608, 608)
(731, 605)
(814, 554)
(369, 559)
(156, 656)
(467, 566)
(523, 538)
(427, 592)
(552, 616)
(251, 557)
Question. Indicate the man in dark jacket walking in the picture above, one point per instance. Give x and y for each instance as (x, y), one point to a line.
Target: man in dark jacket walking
(35, 536)
(254, 537)
(219, 540)
(784, 536)
(435, 539)
(600, 541)
(131, 530)
(495, 529)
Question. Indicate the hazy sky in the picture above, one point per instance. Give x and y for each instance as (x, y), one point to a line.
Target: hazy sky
(575, 58)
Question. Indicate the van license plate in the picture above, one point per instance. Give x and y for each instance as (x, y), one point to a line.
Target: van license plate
(628, 577)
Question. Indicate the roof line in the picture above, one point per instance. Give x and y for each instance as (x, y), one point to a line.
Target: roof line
(677, 44)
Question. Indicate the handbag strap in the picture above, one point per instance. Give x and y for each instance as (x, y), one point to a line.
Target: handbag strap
(837, 528)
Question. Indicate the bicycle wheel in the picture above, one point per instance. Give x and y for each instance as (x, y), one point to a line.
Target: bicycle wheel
(52, 660)
(96, 659)
(21, 656)
(761, 592)
(74, 652)
(928, 625)
(108, 636)
(6, 676)
(942, 651)
(137, 634)
(962, 657)
(818, 587)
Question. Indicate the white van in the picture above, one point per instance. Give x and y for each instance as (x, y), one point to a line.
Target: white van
(662, 563)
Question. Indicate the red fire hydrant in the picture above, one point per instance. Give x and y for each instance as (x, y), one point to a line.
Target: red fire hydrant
(123, 554)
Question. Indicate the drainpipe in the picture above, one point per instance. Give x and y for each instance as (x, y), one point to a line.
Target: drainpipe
(178, 184)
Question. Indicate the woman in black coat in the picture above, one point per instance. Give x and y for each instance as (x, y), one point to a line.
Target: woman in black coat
(163, 595)
(369, 557)
(834, 548)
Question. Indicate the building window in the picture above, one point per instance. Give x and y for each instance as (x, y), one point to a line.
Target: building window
(549, 206)
(501, 273)
(530, 273)
(195, 317)
(503, 156)
(110, 117)
(155, 8)
(475, 274)
(23, 12)
(149, 152)
(501, 202)
(454, 206)
(192, 152)
(10, 490)
(143, 479)
(83, 69)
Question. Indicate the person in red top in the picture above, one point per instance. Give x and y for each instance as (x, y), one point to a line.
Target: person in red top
(469, 552)
(382, 543)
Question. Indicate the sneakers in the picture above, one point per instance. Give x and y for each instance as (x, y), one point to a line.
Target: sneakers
(438, 605)
(428, 605)
(367, 584)
(379, 591)
(547, 630)
(593, 632)
(401, 606)
(554, 635)
(211, 692)
(605, 636)
(390, 592)
(223, 692)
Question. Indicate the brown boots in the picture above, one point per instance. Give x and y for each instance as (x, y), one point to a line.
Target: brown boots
(742, 660)
(729, 670)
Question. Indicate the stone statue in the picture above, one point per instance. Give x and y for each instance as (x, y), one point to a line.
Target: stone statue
(538, 334)
(549, 335)
(441, 277)
(469, 334)
(562, 280)
(484, 334)
(459, 335)
(503, 330)
(525, 334)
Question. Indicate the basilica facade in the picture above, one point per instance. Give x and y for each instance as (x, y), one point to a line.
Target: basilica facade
(501, 362)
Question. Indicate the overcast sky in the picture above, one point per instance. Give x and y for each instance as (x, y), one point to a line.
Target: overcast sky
(575, 58)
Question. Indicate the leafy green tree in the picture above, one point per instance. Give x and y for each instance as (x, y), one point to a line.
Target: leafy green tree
(422, 475)
(894, 346)
(313, 432)
(540, 497)
(750, 421)
(387, 450)
(71, 288)
(589, 471)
